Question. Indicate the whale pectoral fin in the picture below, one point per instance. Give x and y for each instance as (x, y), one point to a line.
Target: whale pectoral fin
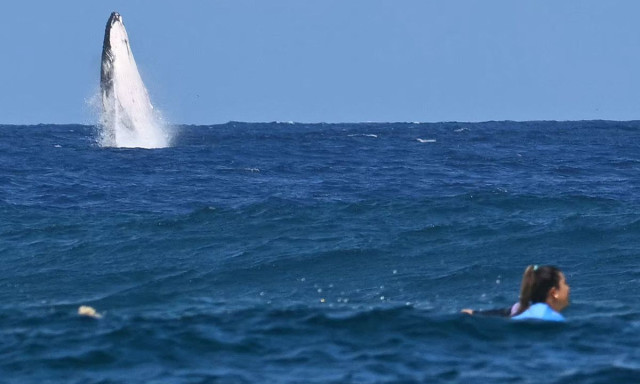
(124, 118)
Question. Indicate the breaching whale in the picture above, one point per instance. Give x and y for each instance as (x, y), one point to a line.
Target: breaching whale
(128, 118)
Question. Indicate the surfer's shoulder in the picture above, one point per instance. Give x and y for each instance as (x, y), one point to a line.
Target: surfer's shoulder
(540, 311)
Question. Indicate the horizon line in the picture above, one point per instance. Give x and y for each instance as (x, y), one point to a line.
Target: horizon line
(345, 122)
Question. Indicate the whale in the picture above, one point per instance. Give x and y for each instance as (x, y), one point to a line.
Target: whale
(128, 118)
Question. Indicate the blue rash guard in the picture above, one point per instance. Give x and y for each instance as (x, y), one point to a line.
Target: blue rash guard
(539, 311)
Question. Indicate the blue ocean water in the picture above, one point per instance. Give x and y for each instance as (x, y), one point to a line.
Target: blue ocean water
(323, 253)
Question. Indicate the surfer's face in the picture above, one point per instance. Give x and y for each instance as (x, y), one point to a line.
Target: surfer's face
(560, 294)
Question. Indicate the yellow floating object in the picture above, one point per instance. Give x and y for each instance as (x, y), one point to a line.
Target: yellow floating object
(88, 311)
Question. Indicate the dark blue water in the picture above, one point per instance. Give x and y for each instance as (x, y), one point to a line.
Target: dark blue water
(293, 253)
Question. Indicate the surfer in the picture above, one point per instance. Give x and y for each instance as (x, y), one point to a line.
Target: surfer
(543, 294)
(548, 296)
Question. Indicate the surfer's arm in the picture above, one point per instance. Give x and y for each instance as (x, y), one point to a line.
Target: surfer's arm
(500, 312)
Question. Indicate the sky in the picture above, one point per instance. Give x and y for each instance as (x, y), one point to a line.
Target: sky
(213, 61)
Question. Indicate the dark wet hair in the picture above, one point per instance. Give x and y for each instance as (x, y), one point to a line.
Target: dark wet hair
(536, 284)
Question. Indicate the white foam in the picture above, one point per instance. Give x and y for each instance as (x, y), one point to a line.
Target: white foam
(426, 140)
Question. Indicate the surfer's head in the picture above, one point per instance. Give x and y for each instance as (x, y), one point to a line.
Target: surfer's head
(544, 284)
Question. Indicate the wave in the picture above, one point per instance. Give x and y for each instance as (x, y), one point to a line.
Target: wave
(403, 342)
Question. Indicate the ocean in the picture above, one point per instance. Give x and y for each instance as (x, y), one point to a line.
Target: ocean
(318, 253)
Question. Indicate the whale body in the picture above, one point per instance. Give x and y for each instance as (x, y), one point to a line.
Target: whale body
(128, 118)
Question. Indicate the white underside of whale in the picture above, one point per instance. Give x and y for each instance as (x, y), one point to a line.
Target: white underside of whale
(128, 117)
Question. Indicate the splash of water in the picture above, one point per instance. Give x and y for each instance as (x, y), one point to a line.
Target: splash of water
(128, 118)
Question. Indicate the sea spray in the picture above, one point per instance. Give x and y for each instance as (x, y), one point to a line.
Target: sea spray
(128, 118)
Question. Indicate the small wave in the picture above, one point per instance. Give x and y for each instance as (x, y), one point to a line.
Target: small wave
(426, 140)
(233, 170)
(363, 135)
(602, 374)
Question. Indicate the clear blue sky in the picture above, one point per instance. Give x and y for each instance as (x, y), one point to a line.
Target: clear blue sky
(211, 61)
